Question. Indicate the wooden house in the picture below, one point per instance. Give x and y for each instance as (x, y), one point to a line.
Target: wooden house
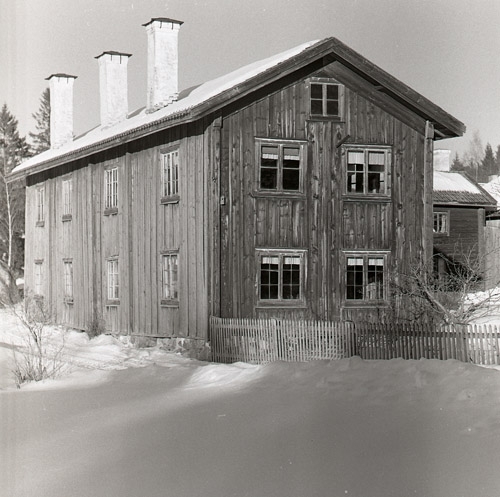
(291, 187)
(461, 210)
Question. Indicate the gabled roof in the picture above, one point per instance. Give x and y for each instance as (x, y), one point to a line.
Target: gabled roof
(224, 90)
(454, 188)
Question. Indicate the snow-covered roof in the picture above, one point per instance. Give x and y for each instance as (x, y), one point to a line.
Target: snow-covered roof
(452, 187)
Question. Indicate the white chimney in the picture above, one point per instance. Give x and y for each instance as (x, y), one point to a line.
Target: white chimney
(163, 62)
(442, 160)
(61, 109)
(113, 87)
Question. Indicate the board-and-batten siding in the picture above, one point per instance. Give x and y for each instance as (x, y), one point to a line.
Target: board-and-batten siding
(323, 221)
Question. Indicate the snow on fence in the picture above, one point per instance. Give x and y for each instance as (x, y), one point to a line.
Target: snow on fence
(266, 340)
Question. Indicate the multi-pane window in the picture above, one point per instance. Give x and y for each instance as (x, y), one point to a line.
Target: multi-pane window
(38, 277)
(40, 204)
(367, 171)
(68, 280)
(170, 281)
(365, 277)
(111, 188)
(281, 166)
(170, 174)
(441, 223)
(326, 99)
(113, 279)
(281, 276)
(67, 198)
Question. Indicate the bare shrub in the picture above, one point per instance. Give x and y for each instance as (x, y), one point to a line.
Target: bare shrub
(96, 326)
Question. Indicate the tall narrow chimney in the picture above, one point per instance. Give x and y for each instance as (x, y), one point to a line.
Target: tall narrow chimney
(113, 87)
(61, 109)
(163, 62)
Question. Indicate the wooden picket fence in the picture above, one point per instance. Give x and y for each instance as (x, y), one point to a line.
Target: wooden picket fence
(265, 340)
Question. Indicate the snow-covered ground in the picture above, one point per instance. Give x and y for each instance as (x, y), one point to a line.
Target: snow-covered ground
(127, 422)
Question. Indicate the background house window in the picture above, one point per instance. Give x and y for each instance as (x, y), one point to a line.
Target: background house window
(441, 223)
(170, 265)
(281, 276)
(325, 99)
(67, 198)
(170, 174)
(365, 277)
(281, 166)
(38, 278)
(40, 202)
(68, 281)
(111, 188)
(367, 171)
(113, 279)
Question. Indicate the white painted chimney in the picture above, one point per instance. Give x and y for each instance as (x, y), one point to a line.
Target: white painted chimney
(442, 160)
(163, 62)
(113, 87)
(61, 109)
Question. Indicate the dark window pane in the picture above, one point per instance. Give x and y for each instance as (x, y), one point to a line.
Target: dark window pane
(268, 178)
(291, 179)
(316, 91)
(354, 287)
(269, 278)
(291, 278)
(317, 107)
(332, 92)
(332, 107)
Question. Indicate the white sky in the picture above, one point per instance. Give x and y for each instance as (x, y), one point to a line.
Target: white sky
(445, 49)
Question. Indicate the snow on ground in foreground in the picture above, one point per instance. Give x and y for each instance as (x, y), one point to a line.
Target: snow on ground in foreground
(127, 422)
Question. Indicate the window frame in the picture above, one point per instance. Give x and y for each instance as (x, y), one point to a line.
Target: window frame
(67, 198)
(113, 280)
(325, 82)
(387, 172)
(68, 281)
(281, 254)
(173, 196)
(167, 299)
(38, 278)
(366, 256)
(40, 206)
(281, 144)
(111, 194)
(446, 215)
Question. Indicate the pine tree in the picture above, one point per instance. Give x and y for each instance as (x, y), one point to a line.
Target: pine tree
(457, 164)
(497, 160)
(487, 164)
(13, 149)
(41, 139)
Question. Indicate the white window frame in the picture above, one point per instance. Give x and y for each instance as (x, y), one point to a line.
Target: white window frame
(170, 277)
(325, 83)
(68, 280)
(113, 279)
(364, 169)
(373, 292)
(169, 163)
(441, 223)
(67, 199)
(280, 256)
(111, 188)
(38, 277)
(40, 202)
(281, 166)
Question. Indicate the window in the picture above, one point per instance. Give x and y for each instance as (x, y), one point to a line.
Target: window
(326, 99)
(113, 280)
(38, 278)
(365, 277)
(281, 276)
(170, 289)
(40, 202)
(170, 175)
(367, 170)
(281, 166)
(67, 196)
(441, 223)
(111, 189)
(68, 281)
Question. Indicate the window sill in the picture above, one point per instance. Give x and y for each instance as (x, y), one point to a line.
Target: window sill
(111, 211)
(40, 224)
(366, 197)
(112, 303)
(337, 119)
(279, 195)
(173, 199)
(68, 300)
(283, 304)
(67, 217)
(169, 303)
(364, 304)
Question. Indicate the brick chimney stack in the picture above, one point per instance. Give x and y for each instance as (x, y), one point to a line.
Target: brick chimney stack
(61, 109)
(113, 87)
(163, 62)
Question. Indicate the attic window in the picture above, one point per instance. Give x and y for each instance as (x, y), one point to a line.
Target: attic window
(326, 99)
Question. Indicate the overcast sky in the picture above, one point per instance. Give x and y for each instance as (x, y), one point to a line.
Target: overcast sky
(448, 50)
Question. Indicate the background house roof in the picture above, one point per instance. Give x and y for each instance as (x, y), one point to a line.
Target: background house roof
(456, 188)
(221, 91)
